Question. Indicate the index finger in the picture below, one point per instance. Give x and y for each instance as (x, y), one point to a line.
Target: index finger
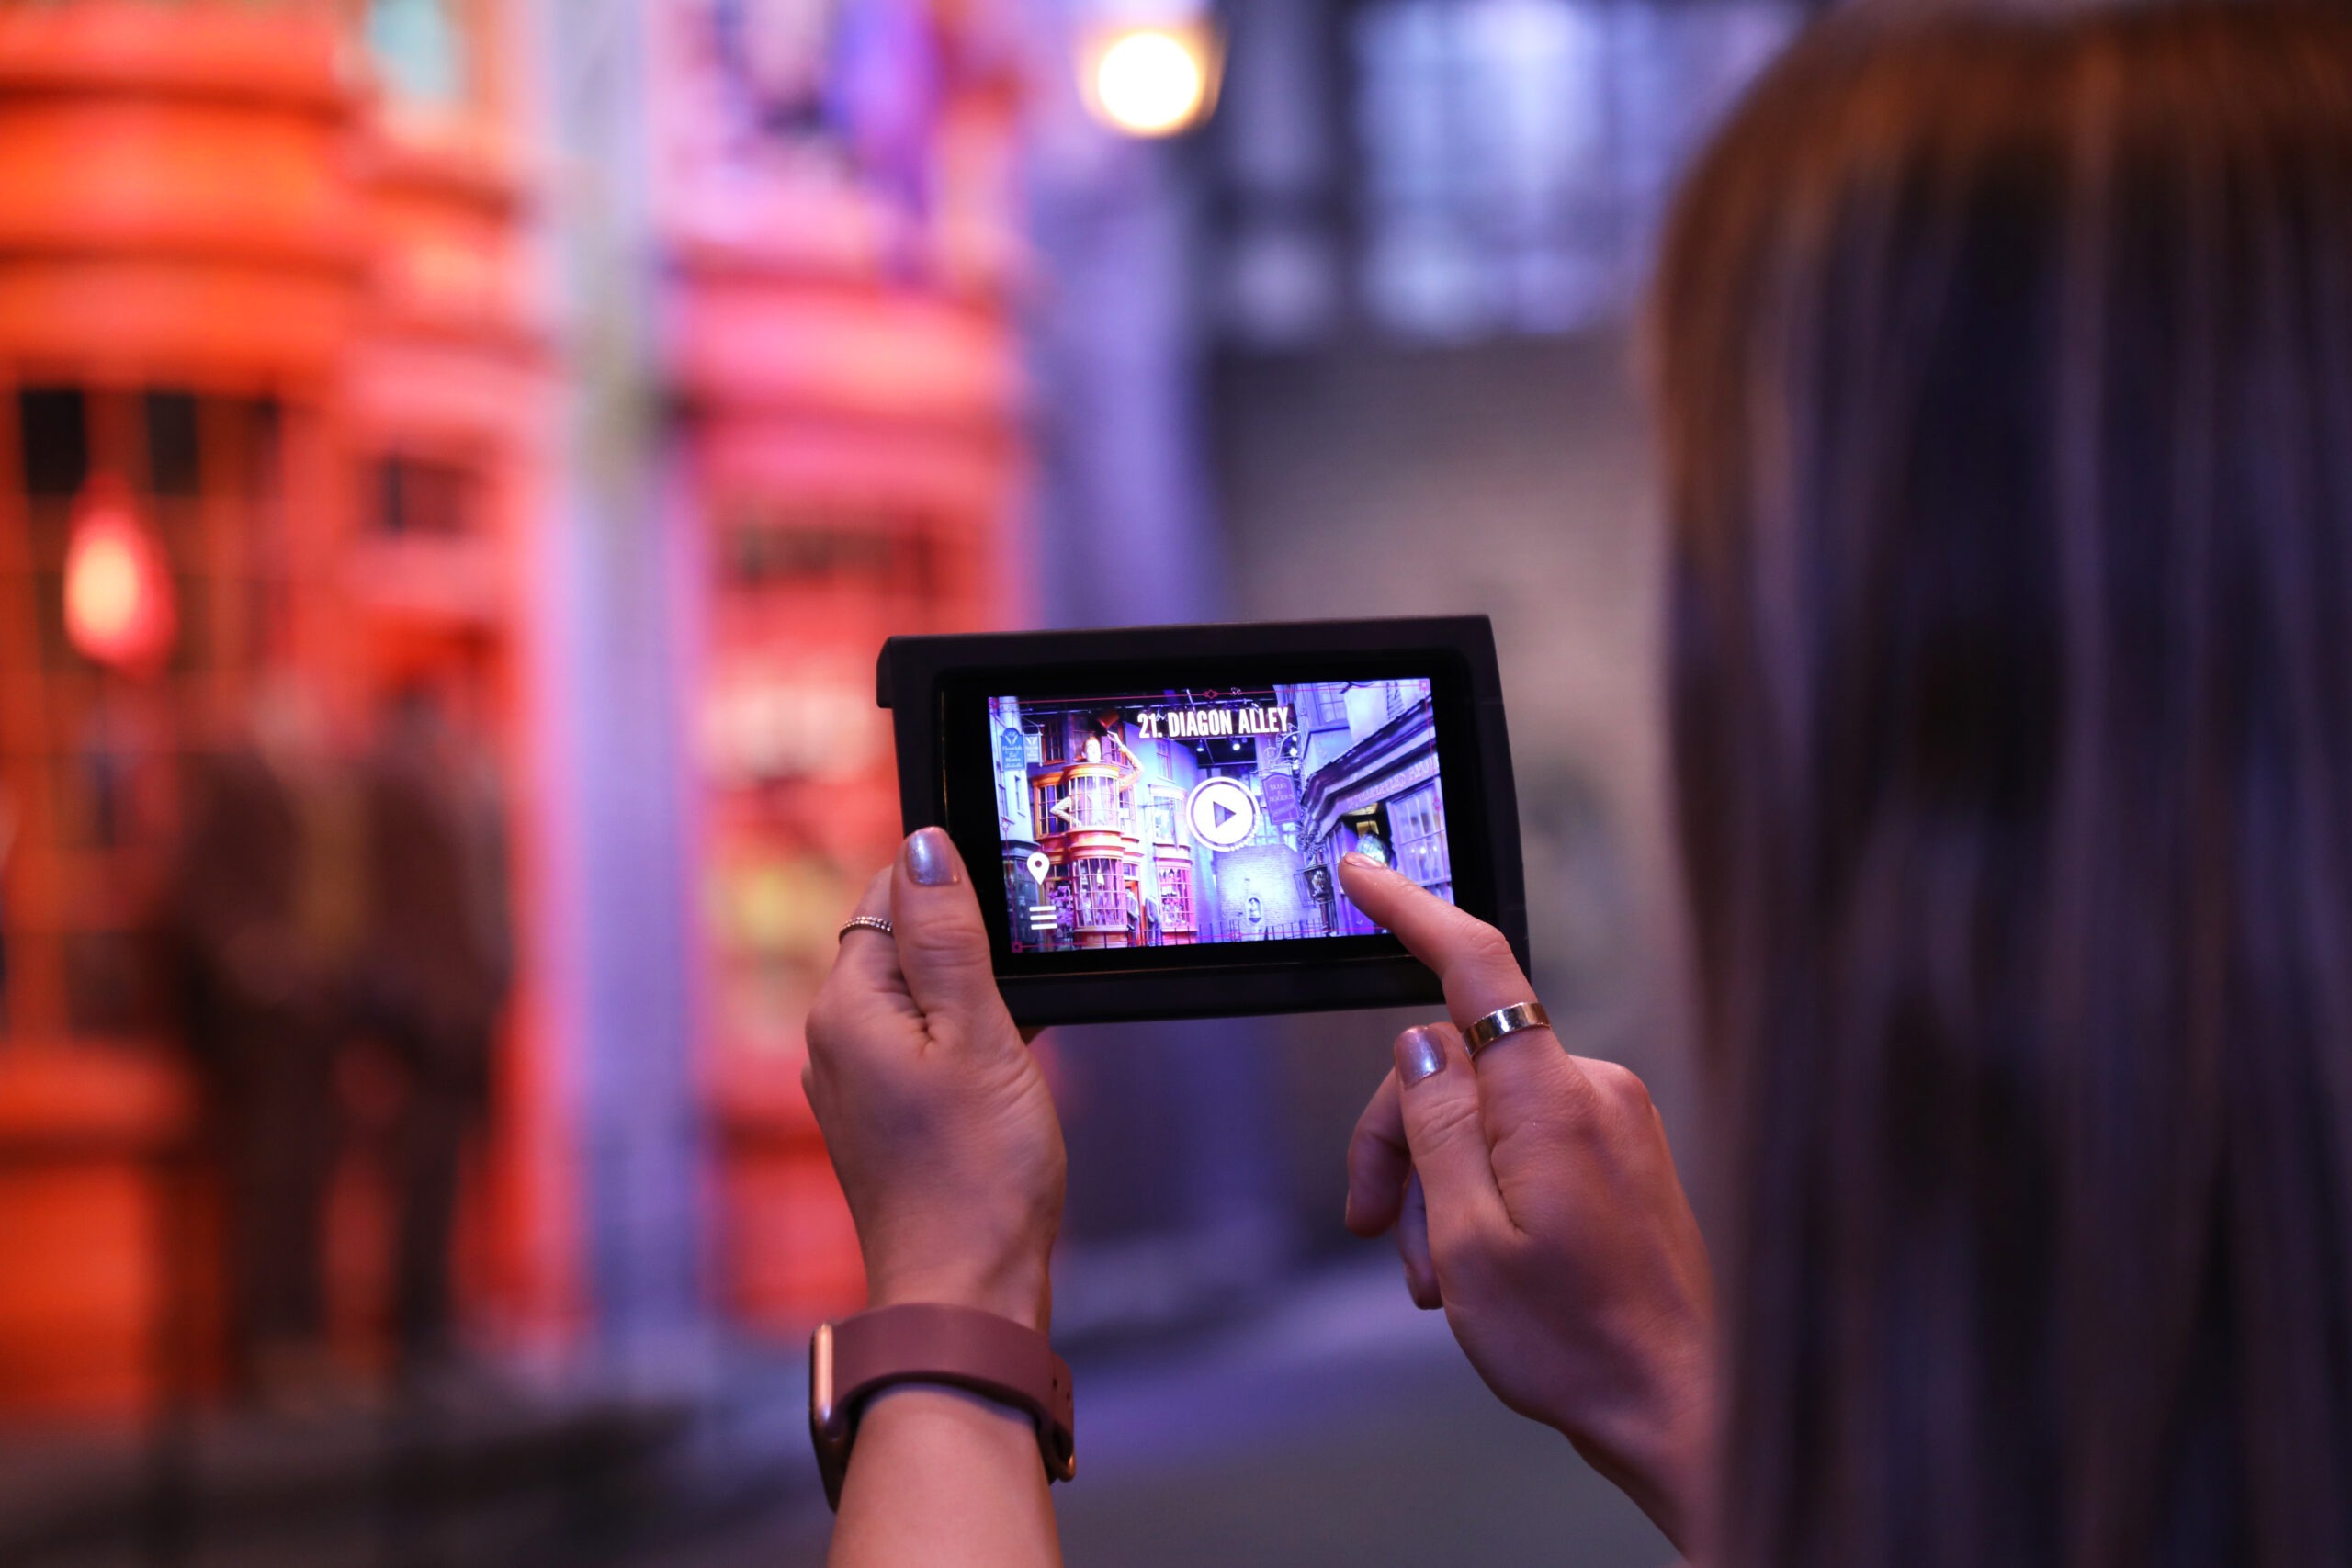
(1523, 1079)
(1472, 959)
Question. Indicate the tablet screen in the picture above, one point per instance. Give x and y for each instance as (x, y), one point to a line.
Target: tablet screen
(1191, 817)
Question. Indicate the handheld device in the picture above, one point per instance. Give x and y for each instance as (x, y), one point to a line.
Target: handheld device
(1155, 815)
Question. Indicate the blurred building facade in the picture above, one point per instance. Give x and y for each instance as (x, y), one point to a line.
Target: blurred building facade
(619, 373)
(836, 209)
(184, 281)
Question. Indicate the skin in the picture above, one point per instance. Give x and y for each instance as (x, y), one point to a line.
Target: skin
(945, 1137)
(1533, 1199)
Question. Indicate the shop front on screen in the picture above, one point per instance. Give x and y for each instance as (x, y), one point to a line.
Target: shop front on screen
(1180, 817)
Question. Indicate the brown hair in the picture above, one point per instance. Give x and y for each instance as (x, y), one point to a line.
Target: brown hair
(2006, 370)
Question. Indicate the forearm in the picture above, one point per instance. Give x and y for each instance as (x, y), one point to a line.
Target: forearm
(944, 1477)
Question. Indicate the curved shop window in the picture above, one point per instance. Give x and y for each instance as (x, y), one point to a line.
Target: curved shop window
(1094, 798)
(1102, 892)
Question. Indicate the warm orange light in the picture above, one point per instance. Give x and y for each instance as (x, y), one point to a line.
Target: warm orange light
(118, 607)
(1151, 81)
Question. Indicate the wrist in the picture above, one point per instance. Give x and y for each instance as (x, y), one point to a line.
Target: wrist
(1660, 1454)
(1022, 1292)
(947, 1348)
(1006, 1426)
(1666, 1479)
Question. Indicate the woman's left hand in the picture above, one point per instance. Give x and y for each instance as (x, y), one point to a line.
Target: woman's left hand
(933, 1110)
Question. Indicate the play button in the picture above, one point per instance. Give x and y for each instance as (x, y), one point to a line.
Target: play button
(1224, 815)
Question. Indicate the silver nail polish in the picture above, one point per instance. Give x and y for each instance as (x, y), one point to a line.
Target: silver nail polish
(1419, 1053)
(931, 858)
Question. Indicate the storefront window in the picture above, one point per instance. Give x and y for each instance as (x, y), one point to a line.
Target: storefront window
(53, 435)
(1102, 893)
(88, 780)
(768, 546)
(416, 498)
(173, 466)
(1096, 803)
(1176, 896)
(1418, 822)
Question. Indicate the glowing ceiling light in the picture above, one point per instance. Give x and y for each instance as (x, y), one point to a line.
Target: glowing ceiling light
(1151, 81)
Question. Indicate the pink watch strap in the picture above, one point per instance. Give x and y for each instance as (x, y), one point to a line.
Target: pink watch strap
(922, 1342)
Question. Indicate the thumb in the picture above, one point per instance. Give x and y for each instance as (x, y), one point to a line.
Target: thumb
(1446, 1134)
(943, 946)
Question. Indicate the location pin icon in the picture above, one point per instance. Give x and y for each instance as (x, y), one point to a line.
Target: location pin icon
(1039, 864)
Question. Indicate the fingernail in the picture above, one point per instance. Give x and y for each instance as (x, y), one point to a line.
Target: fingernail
(931, 858)
(1420, 1287)
(1419, 1054)
(1360, 861)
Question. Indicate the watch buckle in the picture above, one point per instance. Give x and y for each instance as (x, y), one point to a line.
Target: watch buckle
(821, 1411)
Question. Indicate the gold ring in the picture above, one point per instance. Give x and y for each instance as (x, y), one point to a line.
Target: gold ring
(869, 922)
(1505, 1020)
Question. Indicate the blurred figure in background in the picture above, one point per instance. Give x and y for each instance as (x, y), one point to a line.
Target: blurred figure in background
(323, 905)
(267, 910)
(437, 963)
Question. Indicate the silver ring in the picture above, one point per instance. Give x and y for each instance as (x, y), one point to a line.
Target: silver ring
(1505, 1020)
(869, 922)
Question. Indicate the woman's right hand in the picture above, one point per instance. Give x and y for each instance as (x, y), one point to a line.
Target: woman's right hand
(1535, 1200)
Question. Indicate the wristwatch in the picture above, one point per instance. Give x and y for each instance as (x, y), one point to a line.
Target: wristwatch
(925, 1342)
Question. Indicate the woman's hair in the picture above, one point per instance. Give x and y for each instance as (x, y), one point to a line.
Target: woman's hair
(2005, 372)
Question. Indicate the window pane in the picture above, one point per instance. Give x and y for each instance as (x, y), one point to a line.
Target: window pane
(171, 443)
(420, 49)
(1515, 152)
(56, 440)
(418, 498)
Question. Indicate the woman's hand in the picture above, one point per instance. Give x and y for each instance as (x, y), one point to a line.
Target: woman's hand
(937, 1118)
(946, 1143)
(1535, 1200)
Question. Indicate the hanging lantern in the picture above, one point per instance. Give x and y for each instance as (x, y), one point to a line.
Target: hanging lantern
(118, 607)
